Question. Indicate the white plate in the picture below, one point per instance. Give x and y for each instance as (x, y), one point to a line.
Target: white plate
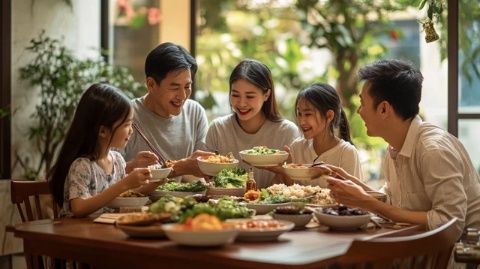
(263, 234)
(128, 202)
(154, 230)
(341, 222)
(155, 195)
(265, 208)
(199, 238)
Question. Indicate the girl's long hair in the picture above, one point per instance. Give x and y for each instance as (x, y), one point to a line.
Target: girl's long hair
(259, 75)
(100, 105)
(324, 98)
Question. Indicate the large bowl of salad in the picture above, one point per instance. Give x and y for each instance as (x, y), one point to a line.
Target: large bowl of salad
(228, 182)
(263, 156)
(178, 189)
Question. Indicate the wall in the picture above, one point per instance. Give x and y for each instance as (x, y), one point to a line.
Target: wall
(79, 26)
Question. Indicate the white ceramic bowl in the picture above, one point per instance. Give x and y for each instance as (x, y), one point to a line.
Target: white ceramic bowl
(341, 222)
(199, 238)
(159, 173)
(219, 192)
(264, 159)
(262, 209)
(128, 202)
(299, 173)
(157, 194)
(212, 169)
(300, 220)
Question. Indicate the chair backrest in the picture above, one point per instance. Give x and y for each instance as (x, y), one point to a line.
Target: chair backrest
(431, 249)
(25, 193)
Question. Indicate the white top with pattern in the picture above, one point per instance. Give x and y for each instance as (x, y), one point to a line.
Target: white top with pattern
(86, 179)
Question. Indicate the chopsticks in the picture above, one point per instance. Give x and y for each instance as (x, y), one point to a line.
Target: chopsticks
(154, 150)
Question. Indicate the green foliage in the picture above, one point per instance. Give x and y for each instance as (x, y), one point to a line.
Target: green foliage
(60, 79)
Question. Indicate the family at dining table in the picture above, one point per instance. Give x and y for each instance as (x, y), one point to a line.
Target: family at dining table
(429, 175)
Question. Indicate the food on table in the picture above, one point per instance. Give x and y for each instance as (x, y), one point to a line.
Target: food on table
(256, 224)
(294, 191)
(155, 166)
(197, 186)
(229, 158)
(142, 219)
(295, 165)
(202, 222)
(131, 193)
(261, 150)
(343, 211)
(323, 197)
(252, 195)
(231, 178)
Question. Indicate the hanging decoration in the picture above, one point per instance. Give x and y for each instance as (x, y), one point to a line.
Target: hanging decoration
(434, 11)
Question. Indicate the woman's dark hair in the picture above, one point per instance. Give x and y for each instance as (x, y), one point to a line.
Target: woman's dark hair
(168, 57)
(324, 98)
(259, 75)
(100, 105)
(396, 82)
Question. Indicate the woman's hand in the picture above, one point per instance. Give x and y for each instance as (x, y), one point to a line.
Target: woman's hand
(137, 178)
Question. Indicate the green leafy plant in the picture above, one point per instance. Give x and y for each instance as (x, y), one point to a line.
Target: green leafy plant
(60, 78)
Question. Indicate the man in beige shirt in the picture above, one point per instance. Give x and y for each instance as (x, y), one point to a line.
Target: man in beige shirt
(429, 176)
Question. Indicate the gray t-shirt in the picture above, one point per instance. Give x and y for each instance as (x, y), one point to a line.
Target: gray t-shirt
(175, 138)
(86, 179)
(226, 135)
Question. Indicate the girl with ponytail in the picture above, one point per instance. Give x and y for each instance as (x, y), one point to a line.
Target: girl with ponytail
(326, 135)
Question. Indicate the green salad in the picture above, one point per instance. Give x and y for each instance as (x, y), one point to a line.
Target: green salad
(261, 150)
(184, 187)
(183, 208)
(231, 178)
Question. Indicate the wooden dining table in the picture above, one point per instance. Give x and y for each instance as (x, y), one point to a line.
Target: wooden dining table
(105, 246)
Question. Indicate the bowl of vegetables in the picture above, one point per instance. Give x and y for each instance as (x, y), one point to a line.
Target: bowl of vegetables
(178, 189)
(229, 182)
(263, 156)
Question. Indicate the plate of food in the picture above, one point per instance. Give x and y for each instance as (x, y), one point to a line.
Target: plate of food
(129, 198)
(299, 216)
(263, 156)
(342, 217)
(265, 208)
(202, 230)
(143, 224)
(228, 182)
(212, 165)
(259, 229)
(178, 189)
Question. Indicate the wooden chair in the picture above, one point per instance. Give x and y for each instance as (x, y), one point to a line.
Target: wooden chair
(24, 193)
(26, 196)
(431, 249)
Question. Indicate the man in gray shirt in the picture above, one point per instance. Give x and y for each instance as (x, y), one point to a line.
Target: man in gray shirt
(166, 122)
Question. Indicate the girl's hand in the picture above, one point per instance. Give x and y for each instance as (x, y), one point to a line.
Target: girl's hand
(144, 159)
(136, 178)
(287, 149)
(348, 193)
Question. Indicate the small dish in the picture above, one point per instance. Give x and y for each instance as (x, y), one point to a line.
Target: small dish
(128, 202)
(199, 238)
(299, 171)
(212, 169)
(300, 220)
(341, 222)
(265, 208)
(248, 231)
(159, 173)
(150, 231)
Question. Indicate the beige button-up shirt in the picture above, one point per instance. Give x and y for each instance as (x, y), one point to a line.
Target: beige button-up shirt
(433, 173)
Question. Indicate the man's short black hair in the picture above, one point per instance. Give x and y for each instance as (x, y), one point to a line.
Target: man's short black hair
(396, 82)
(168, 57)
